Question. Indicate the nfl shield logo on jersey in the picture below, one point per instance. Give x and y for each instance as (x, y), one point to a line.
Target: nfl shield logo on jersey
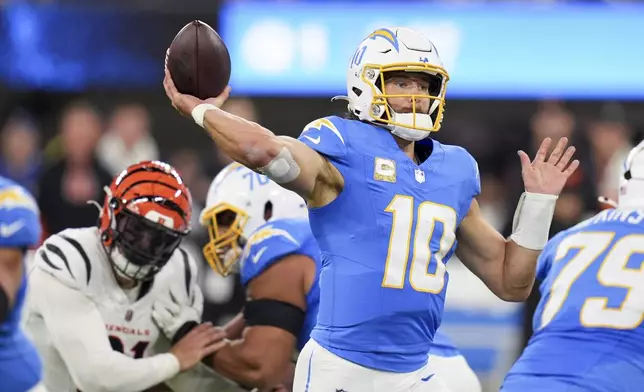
(128, 315)
(420, 176)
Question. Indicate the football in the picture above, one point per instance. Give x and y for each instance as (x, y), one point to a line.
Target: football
(198, 61)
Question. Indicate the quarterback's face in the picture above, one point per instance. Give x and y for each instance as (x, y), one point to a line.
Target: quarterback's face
(405, 83)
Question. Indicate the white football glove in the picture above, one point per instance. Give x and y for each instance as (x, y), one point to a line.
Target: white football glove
(174, 309)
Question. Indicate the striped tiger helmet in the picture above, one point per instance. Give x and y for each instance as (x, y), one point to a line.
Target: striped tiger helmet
(145, 215)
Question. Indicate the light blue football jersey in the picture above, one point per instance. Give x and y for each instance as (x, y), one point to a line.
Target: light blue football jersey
(443, 346)
(20, 366)
(385, 241)
(275, 240)
(588, 324)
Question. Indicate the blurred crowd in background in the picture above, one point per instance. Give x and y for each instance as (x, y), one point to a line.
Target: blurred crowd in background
(89, 147)
(65, 146)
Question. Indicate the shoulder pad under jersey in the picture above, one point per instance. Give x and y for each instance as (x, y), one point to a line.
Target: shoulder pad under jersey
(267, 245)
(71, 256)
(19, 217)
(327, 136)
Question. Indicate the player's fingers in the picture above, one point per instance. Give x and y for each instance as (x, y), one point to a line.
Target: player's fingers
(543, 150)
(162, 317)
(173, 298)
(169, 83)
(217, 334)
(165, 305)
(168, 90)
(201, 328)
(571, 169)
(565, 159)
(221, 98)
(173, 308)
(226, 92)
(210, 334)
(166, 87)
(213, 347)
(558, 151)
(525, 160)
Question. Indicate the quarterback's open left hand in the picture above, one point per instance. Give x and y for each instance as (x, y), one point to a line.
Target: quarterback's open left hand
(174, 309)
(548, 176)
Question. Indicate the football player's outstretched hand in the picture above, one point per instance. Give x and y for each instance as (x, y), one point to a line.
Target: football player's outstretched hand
(548, 175)
(185, 103)
(202, 341)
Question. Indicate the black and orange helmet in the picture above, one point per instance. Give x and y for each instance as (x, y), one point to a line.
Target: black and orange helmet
(145, 215)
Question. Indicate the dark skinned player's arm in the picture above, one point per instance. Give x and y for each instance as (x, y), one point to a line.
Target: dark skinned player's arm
(10, 278)
(262, 358)
(235, 327)
(234, 330)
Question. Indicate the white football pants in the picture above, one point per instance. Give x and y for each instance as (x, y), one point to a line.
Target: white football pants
(455, 372)
(318, 370)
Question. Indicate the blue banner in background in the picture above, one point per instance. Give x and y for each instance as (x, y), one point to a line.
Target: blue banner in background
(507, 51)
(66, 48)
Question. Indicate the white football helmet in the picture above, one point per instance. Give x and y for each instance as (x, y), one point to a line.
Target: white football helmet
(396, 49)
(631, 189)
(239, 201)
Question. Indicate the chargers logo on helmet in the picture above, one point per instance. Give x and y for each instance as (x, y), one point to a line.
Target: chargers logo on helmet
(366, 87)
(388, 35)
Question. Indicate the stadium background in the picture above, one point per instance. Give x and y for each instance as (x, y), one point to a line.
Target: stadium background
(81, 98)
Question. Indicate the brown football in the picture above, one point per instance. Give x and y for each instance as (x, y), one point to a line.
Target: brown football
(198, 61)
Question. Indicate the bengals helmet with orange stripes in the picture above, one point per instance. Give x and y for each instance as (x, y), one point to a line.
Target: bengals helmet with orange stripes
(145, 215)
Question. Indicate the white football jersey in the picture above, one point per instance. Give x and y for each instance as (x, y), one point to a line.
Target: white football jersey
(76, 258)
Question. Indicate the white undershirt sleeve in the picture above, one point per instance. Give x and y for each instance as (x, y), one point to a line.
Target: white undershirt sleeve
(78, 333)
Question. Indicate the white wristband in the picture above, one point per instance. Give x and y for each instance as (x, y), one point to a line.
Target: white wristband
(532, 219)
(199, 112)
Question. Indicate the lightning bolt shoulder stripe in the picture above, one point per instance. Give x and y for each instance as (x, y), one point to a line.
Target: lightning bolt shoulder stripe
(324, 122)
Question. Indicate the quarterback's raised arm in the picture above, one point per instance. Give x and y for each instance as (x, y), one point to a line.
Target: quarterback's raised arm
(285, 160)
(508, 267)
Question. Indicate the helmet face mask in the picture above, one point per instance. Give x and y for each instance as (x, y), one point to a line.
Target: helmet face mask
(389, 51)
(225, 224)
(383, 110)
(239, 201)
(143, 244)
(146, 214)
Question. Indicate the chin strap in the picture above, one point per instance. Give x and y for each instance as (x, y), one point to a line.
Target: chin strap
(608, 201)
(344, 98)
(341, 98)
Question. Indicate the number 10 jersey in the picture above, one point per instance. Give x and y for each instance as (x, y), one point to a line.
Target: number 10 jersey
(385, 241)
